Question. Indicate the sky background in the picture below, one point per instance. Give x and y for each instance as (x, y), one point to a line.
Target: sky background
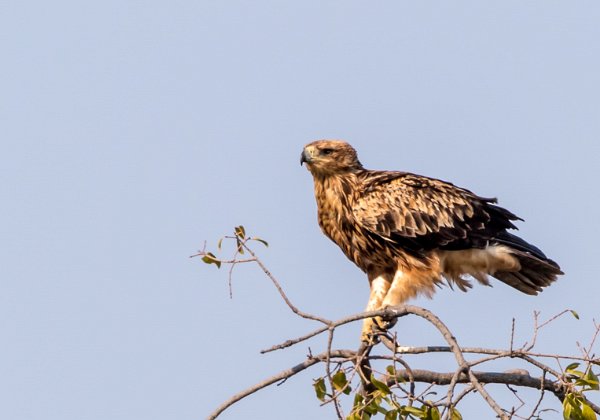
(134, 131)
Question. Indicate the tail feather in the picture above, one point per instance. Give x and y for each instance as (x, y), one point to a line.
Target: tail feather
(517, 243)
(536, 272)
(514, 280)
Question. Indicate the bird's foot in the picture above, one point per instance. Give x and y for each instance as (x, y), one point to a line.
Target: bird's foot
(372, 328)
(382, 324)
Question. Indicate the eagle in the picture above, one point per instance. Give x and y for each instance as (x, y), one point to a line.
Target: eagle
(411, 233)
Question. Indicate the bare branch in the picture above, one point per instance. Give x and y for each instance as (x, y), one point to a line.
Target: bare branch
(281, 292)
(285, 374)
(481, 350)
(289, 343)
(506, 378)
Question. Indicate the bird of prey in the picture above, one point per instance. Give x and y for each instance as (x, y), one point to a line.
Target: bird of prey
(409, 233)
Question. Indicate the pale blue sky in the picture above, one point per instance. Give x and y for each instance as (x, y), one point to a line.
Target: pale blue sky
(133, 131)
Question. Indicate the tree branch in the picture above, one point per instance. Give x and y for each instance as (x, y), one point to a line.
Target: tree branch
(285, 374)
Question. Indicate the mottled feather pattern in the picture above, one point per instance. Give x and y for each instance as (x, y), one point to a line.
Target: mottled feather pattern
(436, 213)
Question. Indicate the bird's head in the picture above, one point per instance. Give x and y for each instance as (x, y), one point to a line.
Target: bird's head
(329, 157)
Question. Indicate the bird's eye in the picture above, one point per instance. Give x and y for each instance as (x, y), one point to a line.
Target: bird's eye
(326, 151)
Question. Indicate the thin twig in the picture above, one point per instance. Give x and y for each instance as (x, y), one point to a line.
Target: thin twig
(281, 292)
(514, 410)
(586, 352)
(460, 396)
(542, 393)
(512, 335)
(334, 397)
(411, 379)
(363, 367)
(289, 343)
(554, 318)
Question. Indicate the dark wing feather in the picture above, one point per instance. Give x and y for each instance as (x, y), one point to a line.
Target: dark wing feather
(421, 213)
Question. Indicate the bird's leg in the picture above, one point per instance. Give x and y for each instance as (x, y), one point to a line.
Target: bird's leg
(407, 283)
(379, 289)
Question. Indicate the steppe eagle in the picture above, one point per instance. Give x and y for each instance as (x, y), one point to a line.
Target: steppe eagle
(409, 232)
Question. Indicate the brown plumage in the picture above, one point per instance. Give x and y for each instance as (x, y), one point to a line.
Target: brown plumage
(408, 232)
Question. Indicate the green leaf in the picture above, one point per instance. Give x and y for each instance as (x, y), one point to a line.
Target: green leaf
(372, 407)
(433, 413)
(391, 370)
(340, 383)
(413, 410)
(571, 407)
(591, 384)
(455, 414)
(358, 400)
(391, 415)
(380, 385)
(575, 314)
(382, 410)
(567, 409)
(586, 412)
(209, 258)
(339, 380)
(592, 380)
(240, 232)
(577, 374)
(320, 388)
(572, 370)
(262, 241)
(219, 243)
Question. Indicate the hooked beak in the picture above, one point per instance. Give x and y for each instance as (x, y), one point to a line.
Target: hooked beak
(304, 157)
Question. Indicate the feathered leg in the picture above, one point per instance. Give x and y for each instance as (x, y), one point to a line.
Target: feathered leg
(406, 285)
(379, 289)
(392, 289)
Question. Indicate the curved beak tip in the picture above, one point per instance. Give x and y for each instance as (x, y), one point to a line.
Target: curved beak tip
(303, 158)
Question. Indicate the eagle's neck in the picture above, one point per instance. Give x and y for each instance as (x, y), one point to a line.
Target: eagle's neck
(335, 195)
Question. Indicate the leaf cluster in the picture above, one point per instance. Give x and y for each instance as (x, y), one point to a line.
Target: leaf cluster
(382, 400)
(240, 239)
(575, 407)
